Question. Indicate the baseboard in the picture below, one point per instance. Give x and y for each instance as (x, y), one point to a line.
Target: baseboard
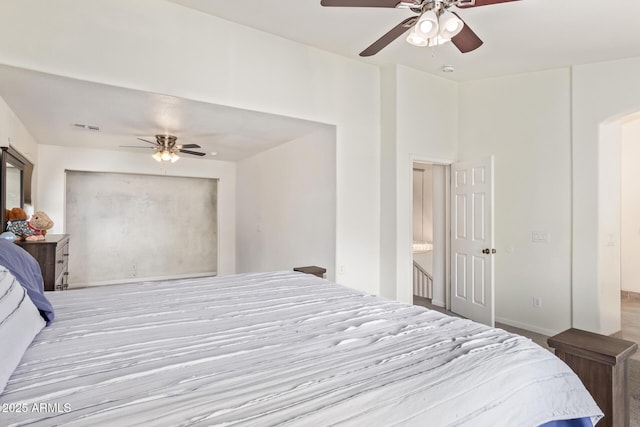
(532, 328)
(138, 279)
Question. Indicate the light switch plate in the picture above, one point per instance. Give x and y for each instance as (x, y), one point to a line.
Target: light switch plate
(540, 236)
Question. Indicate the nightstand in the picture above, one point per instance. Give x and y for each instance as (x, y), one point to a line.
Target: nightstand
(52, 254)
(601, 362)
(312, 269)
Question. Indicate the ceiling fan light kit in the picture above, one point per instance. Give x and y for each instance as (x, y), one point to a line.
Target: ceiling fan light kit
(166, 148)
(165, 156)
(434, 30)
(434, 26)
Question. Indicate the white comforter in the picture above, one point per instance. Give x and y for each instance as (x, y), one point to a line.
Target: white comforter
(278, 348)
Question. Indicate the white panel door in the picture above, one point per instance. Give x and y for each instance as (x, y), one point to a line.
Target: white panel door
(472, 240)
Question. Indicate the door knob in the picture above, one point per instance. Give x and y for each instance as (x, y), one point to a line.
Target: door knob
(486, 251)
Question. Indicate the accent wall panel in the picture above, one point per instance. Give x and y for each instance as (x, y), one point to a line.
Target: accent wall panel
(129, 227)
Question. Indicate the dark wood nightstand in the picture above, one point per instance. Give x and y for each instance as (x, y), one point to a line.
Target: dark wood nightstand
(52, 254)
(601, 363)
(312, 269)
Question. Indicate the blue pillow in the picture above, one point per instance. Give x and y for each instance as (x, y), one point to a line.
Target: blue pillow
(26, 269)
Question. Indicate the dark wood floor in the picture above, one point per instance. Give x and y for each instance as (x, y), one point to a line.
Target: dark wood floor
(630, 323)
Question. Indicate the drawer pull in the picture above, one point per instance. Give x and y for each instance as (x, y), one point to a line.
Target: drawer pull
(66, 273)
(60, 261)
(65, 254)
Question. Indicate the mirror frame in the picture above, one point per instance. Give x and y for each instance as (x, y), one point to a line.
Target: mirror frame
(12, 156)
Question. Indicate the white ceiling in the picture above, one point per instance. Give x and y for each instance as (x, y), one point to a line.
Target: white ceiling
(520, 36)
(50, 106)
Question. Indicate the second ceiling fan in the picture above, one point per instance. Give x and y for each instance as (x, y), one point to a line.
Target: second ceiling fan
(166, 148)
(434, 25)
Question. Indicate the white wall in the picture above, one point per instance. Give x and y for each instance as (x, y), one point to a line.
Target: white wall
(609, 226)
(426, 130)
(286, 206)
(122, 43)
(13, 133)
(630, 207)
(388, 180)
(51, 182)
(602, 93)
(524, 121)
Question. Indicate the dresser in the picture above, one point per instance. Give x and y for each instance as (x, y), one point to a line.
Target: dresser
(52, 254)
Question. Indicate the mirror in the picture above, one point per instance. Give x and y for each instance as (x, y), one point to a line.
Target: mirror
(14, 187)
(15, 181)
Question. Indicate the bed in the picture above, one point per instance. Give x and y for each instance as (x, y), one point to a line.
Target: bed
(278, 348)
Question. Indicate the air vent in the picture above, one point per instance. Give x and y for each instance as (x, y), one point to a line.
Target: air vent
(82, 126)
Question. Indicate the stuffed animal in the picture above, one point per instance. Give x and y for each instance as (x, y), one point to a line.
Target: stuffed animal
(16, 214)
(34, 229)
(16, 221)
(41, 221)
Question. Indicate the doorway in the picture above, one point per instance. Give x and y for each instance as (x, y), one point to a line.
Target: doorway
(618, 225)
(453, 239)
(630, 208)
(430, 227)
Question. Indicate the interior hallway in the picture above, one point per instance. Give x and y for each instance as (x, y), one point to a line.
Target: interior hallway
(631, 322)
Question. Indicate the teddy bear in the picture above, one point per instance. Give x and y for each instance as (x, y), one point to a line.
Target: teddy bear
(15, 214)
(33, 229)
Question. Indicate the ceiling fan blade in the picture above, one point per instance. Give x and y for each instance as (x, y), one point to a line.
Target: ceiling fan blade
(150, 142)
(393, 34)
(465, 4)
(193, 153)
(466, 40)
(137, 146)
(189, 146)
(360, 3)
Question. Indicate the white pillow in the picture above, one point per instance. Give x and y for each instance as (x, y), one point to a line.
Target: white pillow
(20, 322)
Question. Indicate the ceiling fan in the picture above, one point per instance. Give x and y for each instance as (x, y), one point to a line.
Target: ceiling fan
(166, 148)
(434, 25)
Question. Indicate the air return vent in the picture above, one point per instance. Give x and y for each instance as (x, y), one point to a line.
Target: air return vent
(82, 126)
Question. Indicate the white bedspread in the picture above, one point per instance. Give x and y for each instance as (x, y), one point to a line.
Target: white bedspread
(278, 348)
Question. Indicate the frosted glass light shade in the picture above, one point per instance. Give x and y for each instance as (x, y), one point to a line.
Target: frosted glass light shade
(427, 25)
(437, 41)
(416, 39)
(450, 25)
(157, 155)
